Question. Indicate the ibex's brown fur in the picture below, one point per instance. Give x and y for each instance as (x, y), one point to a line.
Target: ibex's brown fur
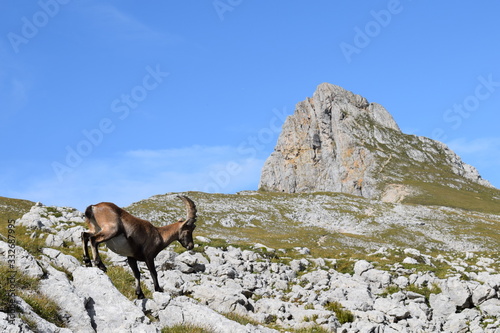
(133, 237)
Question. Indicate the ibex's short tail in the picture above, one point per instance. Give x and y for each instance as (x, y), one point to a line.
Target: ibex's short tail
(89, 212)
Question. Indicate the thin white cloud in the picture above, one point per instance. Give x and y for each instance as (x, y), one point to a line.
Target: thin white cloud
(19, 92)
(15, 83)
(475, 146)
(113, 22)
(137, 175)
(482, 153)
(14, 97)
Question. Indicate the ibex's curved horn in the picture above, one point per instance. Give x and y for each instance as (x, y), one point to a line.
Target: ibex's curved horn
(190, 209)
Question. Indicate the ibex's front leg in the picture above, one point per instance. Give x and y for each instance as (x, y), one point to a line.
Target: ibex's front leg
(86, 236)
(96, 257)
(95, 240)
(150, 262)
(133, 264)
(108, 232)
(85, 242)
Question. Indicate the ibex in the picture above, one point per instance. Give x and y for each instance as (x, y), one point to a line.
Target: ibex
(133, 237)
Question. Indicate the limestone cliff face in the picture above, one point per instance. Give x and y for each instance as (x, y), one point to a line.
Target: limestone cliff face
(337, 141)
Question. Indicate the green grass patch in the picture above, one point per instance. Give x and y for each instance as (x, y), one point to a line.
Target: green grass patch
(53, 211)
(243, 320)
(470, 197)
(45, 308)
(186, 329)
(392, 289)
(316, 329)
(14, 282)
(426, 291)
(11, 209)
(440, 270)
(345, 266)
(125, 282)
(343, 315)
(23, 239)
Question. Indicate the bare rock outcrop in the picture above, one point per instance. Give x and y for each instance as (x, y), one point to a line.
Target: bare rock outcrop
(337, 141)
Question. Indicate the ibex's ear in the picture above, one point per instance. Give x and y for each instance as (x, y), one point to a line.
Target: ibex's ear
(189, 222)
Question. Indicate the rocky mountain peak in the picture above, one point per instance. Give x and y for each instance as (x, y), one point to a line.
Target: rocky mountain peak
(336, 141)
(328, 94)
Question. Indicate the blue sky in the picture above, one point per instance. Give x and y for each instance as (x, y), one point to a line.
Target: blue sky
(121, 100)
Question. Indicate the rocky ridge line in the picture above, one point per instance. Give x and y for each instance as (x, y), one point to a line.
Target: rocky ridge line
(334, 216)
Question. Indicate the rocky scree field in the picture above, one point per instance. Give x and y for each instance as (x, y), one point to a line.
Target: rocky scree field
(355, 272)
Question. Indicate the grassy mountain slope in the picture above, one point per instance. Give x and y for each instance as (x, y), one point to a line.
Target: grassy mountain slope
(428, 167)
(13, 208)
(329, 223)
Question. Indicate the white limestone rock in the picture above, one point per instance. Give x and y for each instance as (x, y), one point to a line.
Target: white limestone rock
(21, 259)
(183, 310)
(59, 289)
(109, 310)
(60, 259)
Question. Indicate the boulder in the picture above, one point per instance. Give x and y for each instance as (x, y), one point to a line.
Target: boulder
(21, 259)
(458, 292)
(377, 278)
(481, 293)
(189, 262)
(54, 240)
(221, 299)
(185, 311)
(362, 266)
(60, 259)
(108, 309)
(41, 324)
(442, 306)
(60, 290)
(491, 307)
(72, 235)
(12, 324)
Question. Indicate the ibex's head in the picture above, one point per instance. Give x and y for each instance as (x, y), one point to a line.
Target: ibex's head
(187, 225)
(186, 234)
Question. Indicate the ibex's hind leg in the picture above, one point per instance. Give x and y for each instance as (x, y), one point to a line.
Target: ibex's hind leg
(85, 242)
(133, 264)
(96, 257)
